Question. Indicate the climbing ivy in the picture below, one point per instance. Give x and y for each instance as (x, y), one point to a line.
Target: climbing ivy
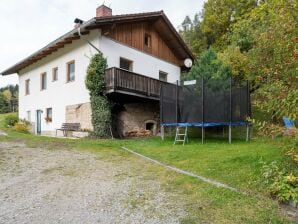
(100, 105)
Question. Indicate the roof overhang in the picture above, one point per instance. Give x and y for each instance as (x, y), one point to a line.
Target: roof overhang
(159, 19)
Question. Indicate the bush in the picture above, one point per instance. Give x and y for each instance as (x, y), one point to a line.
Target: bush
(10, 120)
(282, 185)
(282, 179)
(21, 126)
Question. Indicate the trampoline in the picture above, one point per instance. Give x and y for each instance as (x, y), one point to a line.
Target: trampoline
(205, 103)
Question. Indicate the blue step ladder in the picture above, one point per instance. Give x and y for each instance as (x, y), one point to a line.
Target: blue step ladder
(181, 135)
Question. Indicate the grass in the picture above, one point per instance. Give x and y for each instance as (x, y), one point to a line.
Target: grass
(236, 164)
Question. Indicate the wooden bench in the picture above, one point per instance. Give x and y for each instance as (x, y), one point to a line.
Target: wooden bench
(66, 127)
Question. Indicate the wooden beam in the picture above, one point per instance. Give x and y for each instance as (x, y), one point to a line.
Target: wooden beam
(82, 33)
(72, 38)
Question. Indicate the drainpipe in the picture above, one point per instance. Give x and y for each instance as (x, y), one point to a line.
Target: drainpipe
(79, 32)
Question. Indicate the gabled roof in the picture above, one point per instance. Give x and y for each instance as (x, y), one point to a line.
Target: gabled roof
(163, 26)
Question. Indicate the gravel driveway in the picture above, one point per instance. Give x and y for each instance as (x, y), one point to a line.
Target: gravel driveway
(38, 185)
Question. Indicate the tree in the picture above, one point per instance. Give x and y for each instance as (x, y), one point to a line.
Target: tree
(233, 58)
(193, 35)
(4, 106)
(218, 17)
(100, 106)
(208, 66)
(187, 24)
(265, 37)
(10, 93)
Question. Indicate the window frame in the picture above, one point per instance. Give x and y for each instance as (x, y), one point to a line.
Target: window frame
(28, 113)
(163, 73)
(127, 60)
(27, 87)
(43, 82)
(148, 37)
(68, 71)
(55, 74)
(49, 118)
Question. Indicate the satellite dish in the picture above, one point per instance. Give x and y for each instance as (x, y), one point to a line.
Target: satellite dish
(188, 62)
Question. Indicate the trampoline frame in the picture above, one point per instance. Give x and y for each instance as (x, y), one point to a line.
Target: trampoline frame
(203, 124)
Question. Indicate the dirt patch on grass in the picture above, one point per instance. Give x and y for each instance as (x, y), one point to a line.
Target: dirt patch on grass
(39, 185)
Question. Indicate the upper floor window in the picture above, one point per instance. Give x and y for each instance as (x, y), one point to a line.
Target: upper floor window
(43, 81)
(27, 86)
(55, 74)
(126, 64)
(147, 40)
(163, 76)
(70, 76)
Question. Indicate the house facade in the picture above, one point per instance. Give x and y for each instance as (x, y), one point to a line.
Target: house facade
(143, 51)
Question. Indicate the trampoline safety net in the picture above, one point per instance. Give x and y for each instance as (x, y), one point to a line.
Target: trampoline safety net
(213, 101)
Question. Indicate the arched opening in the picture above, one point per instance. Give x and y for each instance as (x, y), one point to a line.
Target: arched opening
(150, 125)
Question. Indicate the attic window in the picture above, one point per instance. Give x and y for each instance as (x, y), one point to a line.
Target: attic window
(147, 40)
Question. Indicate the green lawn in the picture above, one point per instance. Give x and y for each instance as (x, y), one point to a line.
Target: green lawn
(237, 165)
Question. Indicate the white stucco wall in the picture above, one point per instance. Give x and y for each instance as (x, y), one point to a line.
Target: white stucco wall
(59, 93)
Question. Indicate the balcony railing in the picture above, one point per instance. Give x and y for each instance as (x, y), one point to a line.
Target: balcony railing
(126, 82)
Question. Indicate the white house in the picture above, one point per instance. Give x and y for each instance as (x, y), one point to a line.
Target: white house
(143, 50)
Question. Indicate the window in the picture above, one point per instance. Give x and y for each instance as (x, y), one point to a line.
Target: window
(27, 87)
(49, 115)
(28, 116)
(55, 74)
(147, 40)
(70, 71)
(43, 81)
(126, 64)
(163, 76)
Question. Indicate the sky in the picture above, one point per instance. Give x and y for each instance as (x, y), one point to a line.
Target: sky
(28, 25)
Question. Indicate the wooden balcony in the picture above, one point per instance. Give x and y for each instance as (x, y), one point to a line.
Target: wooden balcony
(124, 82)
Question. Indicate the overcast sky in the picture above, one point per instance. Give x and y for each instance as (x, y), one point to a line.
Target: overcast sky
(28, 25)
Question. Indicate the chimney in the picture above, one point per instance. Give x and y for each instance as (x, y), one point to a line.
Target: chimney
(103, 10)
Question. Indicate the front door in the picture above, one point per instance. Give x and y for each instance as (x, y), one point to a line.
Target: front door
(38, 121)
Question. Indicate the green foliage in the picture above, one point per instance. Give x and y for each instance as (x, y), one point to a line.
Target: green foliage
(10, 120)
(265, 37)
(101, 116)
(236, 61)
(21, 126)
(209, 67)
(101, 107)
(4, 106)
(218, 16)
(282, 185)
(193, 36)
(267, 129)
(9, 98)
(282, 178)
(95, 82)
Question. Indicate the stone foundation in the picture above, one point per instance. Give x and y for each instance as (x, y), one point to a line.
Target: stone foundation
(133, 120)
(137, 120)
(79, 113)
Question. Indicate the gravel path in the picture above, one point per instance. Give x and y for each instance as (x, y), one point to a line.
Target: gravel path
(39, 185)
